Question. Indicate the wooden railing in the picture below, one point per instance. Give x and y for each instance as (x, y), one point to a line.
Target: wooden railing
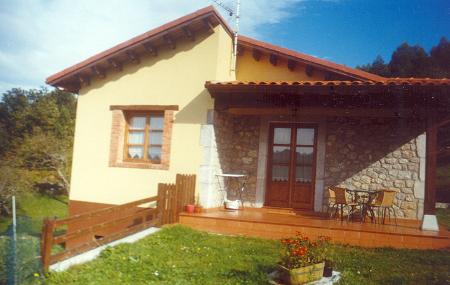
(80, 233)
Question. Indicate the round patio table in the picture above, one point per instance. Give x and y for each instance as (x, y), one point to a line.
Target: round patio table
(365, 202)
(238, 191)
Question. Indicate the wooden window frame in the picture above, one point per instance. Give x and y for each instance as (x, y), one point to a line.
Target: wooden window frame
(119, 135)
(147, 140)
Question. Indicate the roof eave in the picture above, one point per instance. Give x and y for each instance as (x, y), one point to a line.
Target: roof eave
(58, 77)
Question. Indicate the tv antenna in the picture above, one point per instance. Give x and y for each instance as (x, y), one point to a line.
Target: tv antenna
(236, 26)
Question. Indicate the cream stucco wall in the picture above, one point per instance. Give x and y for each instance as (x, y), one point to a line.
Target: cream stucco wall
(249, 69)
(174, 77)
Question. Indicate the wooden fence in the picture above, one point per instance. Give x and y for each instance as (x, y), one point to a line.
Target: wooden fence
(79, 233)
(176, 196)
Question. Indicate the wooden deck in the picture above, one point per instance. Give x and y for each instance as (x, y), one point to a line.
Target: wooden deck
(272, 223)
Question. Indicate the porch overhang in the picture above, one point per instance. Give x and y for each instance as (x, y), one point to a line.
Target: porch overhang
(425, 100)
(394, 97)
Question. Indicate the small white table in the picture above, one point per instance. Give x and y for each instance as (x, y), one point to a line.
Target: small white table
(242, 181)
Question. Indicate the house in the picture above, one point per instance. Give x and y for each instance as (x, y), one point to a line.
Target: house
(175, 100)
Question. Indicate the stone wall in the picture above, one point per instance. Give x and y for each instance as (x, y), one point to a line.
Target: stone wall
(237, 139)
(374, 154)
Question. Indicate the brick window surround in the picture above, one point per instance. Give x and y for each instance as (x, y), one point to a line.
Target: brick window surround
(118, 129)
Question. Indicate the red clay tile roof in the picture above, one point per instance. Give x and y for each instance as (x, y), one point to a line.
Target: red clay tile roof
(362, 78)
(54, 79)
(63, 77)
(352, 72)
(386, 82)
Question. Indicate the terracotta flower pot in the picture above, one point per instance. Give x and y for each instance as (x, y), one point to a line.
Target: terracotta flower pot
(198, 209)
(190, 208)
(302, 275)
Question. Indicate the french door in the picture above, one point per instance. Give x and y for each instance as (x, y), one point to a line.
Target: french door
(291, 166)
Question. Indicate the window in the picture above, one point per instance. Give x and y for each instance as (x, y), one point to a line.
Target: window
(141, 136)
(144, 137)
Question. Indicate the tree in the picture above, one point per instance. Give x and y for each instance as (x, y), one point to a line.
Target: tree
(36, 137)
(21, 111)
(378, 66)
(10, 184)
(45, 152)
(409, 61)
(440, 59)
(414, 61)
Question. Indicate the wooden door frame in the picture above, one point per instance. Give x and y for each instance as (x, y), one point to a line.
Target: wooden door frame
(291, 125)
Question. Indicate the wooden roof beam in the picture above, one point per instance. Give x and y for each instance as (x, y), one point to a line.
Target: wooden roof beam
(133, 56)
(152, 50)
(256, 54)
(169, 41)
(291, 64)
(309, 70)
(208, 25)
(116, 64)
(188, 33)
(84, 80)
(240, 50)
(273, 58)
(98, 71)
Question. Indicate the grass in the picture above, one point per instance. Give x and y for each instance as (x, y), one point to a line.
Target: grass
(35, 207)
(178, 255)
(31, 209)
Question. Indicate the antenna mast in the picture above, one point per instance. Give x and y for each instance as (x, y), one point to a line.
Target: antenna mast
(236, 27)
(236, 31)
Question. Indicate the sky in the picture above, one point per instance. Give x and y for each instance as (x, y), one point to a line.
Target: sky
(41, 37)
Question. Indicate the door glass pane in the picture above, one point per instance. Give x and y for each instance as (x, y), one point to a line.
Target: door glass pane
(282, 136)
(155, 137)
(305, 155)
(154, 154)
(137, 123)
(443, 165)
(156, 122)
(281, 154)
(136, 152)
(305, 136)
(303, 174)
(280, 173)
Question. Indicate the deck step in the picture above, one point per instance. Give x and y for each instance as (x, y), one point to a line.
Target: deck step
(266, 224)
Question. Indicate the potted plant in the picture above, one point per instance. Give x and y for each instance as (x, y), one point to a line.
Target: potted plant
(190, 208)
(198, 206)
(303, 260)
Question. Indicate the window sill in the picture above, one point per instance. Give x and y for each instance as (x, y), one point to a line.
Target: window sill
(143, 165)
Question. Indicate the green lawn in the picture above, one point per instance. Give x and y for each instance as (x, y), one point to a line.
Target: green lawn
(31, 209)
(178, 255)
(36, 207)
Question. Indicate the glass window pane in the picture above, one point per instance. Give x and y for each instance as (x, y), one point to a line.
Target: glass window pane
(136, 152)
(303, 174)
(443, 138)
(155, 137)
(281, 154)
(305, 136)
(280, 173)
(136, 137)
(282, 136)
(305, 155)
(137, 123)
(154, 154)
(156, 122)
